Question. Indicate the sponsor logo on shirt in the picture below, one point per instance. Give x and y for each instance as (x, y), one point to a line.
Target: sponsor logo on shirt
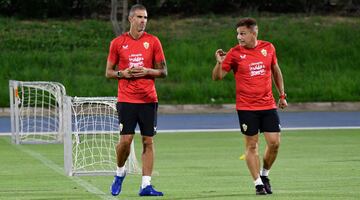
(242, 56)
(125, 46)
(146, 45)
(136, 60)
(257, 69)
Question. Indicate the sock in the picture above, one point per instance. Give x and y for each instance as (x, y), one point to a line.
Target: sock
(258, 181)
(264, 172)
(145, 181)
(120, 171)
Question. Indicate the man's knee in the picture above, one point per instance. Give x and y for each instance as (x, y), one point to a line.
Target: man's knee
(274, 145)
(252, 148)
(125, 141)
(273, 141)
(147, 142)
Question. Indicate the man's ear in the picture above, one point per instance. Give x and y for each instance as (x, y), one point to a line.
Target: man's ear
(256, 30)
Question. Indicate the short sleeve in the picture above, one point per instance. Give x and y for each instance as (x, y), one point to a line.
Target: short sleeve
(158, 51)
(226, 64)
(113, 55)
(274, 58)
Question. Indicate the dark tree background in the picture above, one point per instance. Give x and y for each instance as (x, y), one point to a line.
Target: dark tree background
(100, 9)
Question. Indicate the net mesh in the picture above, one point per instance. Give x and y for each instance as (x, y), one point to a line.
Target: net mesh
(39, 112)
(95, 135)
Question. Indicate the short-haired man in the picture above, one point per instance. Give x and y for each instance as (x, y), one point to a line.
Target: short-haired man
(254, 64)
(139, 59)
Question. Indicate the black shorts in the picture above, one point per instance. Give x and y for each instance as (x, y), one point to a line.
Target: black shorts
(131, 114)
(251, 122)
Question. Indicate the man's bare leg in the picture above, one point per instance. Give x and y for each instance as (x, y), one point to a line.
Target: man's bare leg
(271, 149)
(123, 149)
(270, 154)
(252, 155)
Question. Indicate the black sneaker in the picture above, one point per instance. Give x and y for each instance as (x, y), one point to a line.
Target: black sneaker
(260, 190)
(267, 185)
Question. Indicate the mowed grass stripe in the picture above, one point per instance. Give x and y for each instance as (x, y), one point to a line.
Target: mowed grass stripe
(60, 170)
(312, 164)
(89, 187)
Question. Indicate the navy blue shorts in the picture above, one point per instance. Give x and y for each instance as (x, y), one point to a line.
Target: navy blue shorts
(253, 122)
(131, 114)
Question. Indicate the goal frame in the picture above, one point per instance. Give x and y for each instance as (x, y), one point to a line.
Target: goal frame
(62, 126)
(18, 133)
(70, 120)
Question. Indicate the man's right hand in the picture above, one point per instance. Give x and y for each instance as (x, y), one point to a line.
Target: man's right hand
(218, 73)
(220, 55)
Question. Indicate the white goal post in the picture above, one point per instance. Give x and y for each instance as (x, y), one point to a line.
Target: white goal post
(36, 111)
(41, 113)
(91, 134)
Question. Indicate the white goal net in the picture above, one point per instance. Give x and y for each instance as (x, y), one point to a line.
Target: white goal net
(36, 111)
(41, 113)
(94, 135)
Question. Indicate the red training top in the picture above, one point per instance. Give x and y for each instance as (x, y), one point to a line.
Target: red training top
(252, 71)
(127, 52)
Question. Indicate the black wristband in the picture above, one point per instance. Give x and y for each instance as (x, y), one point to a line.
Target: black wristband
(119, 74)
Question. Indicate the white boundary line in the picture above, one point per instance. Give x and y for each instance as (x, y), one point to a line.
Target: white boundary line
(238, 129)
(86, 185)
(322, 128)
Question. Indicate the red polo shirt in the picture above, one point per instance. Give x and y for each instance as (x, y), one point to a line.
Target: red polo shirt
(127, 52)
(253, 79)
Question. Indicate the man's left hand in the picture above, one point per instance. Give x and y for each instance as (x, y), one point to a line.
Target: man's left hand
(282, 103)
(139, 72)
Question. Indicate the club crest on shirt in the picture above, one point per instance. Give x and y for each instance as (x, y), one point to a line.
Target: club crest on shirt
(264, 52)
(146, 45)
(244, 126)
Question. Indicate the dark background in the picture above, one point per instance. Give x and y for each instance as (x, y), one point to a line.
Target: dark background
(100, 9)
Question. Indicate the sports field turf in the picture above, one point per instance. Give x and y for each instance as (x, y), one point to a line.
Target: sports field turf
(313, 164)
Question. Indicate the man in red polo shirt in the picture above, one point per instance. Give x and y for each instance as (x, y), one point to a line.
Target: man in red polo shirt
(135, 59)
(254, 65)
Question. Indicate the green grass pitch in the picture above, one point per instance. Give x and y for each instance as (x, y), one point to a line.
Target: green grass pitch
(312, 164)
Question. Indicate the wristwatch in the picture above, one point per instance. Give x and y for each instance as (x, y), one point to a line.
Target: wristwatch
(282, 96)
(119, 74)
